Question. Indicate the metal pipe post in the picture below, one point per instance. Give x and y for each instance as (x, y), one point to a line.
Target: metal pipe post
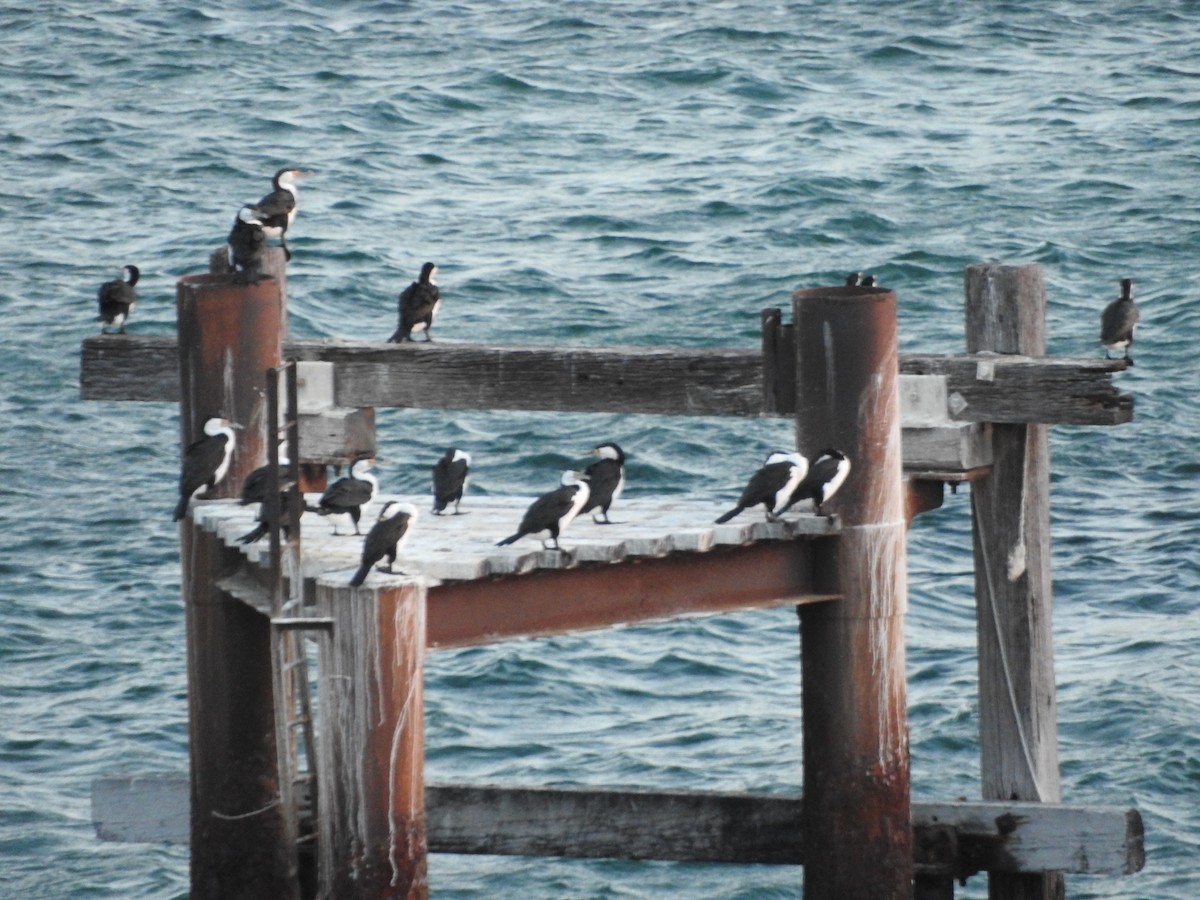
(228, 335)
(857, 818)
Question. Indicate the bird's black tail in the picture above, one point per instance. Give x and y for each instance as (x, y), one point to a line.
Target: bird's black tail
(729, 515)
(360, 576)
(320, 512)
(255, 535)
(181, 507)
(512, 538)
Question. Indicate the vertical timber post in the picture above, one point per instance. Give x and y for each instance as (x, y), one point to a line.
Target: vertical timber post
(371, 758)
(857, 817)
(228, 335)
(1010, 511)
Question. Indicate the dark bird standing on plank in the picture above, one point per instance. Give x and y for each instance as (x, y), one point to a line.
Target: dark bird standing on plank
(117, 298)
(772, 485)
(418, 305)
(246, 244)
(254, 486)
(825, 476)
(277, 210)
(554, 511)
(450, 475)
(347, 496)
(285, 515)
(1118, 321)
(606, 480)
(386, 537)
(854, 279)
(205, 462)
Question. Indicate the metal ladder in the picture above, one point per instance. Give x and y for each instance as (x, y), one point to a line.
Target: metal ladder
(294, 733)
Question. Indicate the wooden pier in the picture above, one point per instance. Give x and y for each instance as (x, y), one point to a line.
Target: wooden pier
(359, 819)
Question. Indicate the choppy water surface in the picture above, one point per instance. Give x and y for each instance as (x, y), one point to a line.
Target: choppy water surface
(598, 173)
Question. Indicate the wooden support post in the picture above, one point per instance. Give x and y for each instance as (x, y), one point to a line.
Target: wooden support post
(1010, 509)
(371, 753)
(229, 334)
(857, 817)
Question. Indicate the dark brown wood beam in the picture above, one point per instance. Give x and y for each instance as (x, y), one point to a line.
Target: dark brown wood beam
(667, 381)
(696, 826)
(688, 826)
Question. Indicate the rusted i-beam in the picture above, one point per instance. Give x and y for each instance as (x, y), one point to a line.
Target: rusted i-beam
(857, 819)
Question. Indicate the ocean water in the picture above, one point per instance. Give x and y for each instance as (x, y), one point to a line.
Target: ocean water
(599, 174)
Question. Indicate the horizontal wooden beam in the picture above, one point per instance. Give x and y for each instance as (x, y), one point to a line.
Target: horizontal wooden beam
(686, 826)
(559, 601)
(662, 381)
(754, 828)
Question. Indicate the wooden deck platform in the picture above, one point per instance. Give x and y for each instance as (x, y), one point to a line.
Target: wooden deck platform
(660, 559)
(451, 548)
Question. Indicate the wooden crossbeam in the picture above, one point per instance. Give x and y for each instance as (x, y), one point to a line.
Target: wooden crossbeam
(685, 826)
(658, 381)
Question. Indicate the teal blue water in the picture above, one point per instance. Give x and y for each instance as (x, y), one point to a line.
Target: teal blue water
(599, 174)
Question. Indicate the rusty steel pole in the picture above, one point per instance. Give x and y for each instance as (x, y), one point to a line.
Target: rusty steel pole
(371, 756)
(857, 819)
(229, 334)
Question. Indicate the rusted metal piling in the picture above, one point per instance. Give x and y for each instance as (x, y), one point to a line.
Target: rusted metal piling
(1010, 511)
(857, 817)
(229, 334)
(371, 752)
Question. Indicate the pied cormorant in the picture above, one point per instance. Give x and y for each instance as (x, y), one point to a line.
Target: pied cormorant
(246, 244)
(277, 210)
(418, 305)
(450, 476)
(606, 480)
(205, 462)
(825, 475)
(1118, 321)
(771, 485)
(117, 298)
(386, 537)
(347, 496)
(553, 512)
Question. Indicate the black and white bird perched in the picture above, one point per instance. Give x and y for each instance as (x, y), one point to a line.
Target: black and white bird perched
(553, 512)
(347, 496)
(386, 537)
(854, 279)
(1119, 320)
(205, 462)
(772, 485)
(606, 480)
(418, 306)
(450, 476)
(246, 244)
(867, 281)
(826, 474)
(277, 210)
(117, 298)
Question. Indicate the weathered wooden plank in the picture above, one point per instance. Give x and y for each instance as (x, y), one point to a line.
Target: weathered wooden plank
(669, 381)
(677, 825)
(1015, 389)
